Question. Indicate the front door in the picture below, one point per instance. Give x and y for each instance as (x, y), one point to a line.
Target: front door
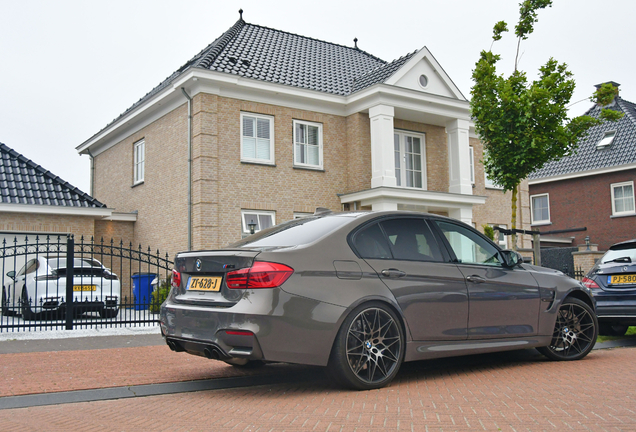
(503, 302)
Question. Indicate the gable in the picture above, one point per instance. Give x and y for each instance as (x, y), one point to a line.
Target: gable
(423, 64)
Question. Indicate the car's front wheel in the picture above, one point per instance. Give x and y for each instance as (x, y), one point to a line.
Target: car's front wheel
(575, 331)
(6, 310)
(369, 348)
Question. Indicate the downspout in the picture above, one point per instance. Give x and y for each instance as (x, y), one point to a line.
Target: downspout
(92, 175)
(189, 167)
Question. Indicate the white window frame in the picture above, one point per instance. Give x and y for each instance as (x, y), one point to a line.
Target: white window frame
(471, 161)
(270, 160)
(607, 140)
(613, 186)
(401, 142)
(320, 145)
(139, 163)
(489, 184)
(543, 221)
(244, 222)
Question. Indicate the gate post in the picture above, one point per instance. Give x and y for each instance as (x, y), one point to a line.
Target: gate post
(70, 252)
(536, 244)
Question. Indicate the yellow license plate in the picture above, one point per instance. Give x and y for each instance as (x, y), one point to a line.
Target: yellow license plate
(84, 287)
(623, 279)
(205, 283)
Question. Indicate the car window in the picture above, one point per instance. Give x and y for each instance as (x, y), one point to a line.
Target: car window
(29, 267)
(619, 256)
(370, 243)
(469, 246)
(411, 239)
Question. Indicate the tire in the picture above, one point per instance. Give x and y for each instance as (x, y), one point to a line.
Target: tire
(369, 348)
(612, 330)
(5, 305)
(575, 332)
(108, 313)
(245, 363)
(25, 306)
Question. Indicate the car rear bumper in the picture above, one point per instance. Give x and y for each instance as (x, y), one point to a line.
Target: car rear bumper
(265, 324)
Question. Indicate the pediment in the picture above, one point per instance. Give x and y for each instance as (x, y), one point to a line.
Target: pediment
(423, 73)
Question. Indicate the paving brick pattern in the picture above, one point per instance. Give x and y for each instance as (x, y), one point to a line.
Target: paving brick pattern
(518, 391)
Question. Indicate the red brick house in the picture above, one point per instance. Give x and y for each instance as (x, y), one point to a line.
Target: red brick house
(590, 193)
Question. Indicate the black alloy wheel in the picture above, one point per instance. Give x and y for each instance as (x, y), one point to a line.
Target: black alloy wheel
(575, 331)
(369, 348)
(108, 313)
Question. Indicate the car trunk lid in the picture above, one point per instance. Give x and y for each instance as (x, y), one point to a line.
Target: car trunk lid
(204, 276)
(617, 276)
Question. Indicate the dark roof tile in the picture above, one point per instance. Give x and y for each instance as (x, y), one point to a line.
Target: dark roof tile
(22, 181)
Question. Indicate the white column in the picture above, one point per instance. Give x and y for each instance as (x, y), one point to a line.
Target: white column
(382, 157)
(384, 206)
(458, 154)
(464, 214)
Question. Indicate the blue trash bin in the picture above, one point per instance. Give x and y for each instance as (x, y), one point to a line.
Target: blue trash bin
(142, 288)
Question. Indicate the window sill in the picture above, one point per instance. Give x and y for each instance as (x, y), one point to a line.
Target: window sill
(493, 187)
(622, 215)
(248, 162)
(308, 168)
(541, 223)
(137, 184)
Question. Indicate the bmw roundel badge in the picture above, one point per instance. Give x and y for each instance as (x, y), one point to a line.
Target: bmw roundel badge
(198, 265)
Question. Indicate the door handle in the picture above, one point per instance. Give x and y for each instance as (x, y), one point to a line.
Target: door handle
(393, 273)
(475, 279)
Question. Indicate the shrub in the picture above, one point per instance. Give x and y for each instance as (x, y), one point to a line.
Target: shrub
(159, 295)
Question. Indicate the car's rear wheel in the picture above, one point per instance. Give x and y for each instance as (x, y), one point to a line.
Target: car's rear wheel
(6, 311)
(575, 331)
(25, 306)
(369, 348)
(612, 330)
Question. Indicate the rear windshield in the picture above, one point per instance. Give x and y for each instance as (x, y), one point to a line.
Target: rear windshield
(294, 233)
(620, 255)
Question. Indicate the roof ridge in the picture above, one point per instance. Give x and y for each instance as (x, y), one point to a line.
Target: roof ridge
(48, 174)
(320, 40)
(218, 45)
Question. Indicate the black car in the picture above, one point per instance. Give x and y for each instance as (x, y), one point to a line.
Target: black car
(613, 283)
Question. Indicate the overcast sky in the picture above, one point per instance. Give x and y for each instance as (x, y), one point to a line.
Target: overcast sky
(69, 67)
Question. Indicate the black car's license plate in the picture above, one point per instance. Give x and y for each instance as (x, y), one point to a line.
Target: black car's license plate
(204, 283)
(622, 279)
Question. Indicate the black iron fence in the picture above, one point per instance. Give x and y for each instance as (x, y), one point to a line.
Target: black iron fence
(55, 283)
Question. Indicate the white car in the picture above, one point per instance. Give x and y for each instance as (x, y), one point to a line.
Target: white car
(40, 286)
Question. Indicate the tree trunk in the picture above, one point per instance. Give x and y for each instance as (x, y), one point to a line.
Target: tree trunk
(513, 222)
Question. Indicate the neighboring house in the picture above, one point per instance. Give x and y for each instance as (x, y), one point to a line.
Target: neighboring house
(36, 203)
(280, 124)
(590, 193)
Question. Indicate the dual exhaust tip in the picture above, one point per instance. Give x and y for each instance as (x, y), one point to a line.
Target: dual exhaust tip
(210, 351)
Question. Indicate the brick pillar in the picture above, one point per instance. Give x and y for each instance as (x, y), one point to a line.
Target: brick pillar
(585, 259)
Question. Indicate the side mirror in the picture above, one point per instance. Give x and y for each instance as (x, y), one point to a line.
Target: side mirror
(511, 258)
(11, 274)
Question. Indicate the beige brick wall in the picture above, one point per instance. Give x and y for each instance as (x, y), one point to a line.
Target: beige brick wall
(47, 223)
(161, 201)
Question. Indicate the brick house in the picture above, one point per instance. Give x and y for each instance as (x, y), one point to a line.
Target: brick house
(276, 124)
(590, 193)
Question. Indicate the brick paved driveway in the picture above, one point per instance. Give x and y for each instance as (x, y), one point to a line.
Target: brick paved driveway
(505, 391)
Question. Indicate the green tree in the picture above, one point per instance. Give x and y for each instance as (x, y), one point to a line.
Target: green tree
(525, 125)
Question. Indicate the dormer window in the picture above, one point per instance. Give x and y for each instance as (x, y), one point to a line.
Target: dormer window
(608, 138)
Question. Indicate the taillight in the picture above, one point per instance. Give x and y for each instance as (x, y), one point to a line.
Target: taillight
(590, 283)
(260, 275)
(176, 279)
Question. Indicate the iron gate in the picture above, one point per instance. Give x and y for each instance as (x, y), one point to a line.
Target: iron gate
(57, 283)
